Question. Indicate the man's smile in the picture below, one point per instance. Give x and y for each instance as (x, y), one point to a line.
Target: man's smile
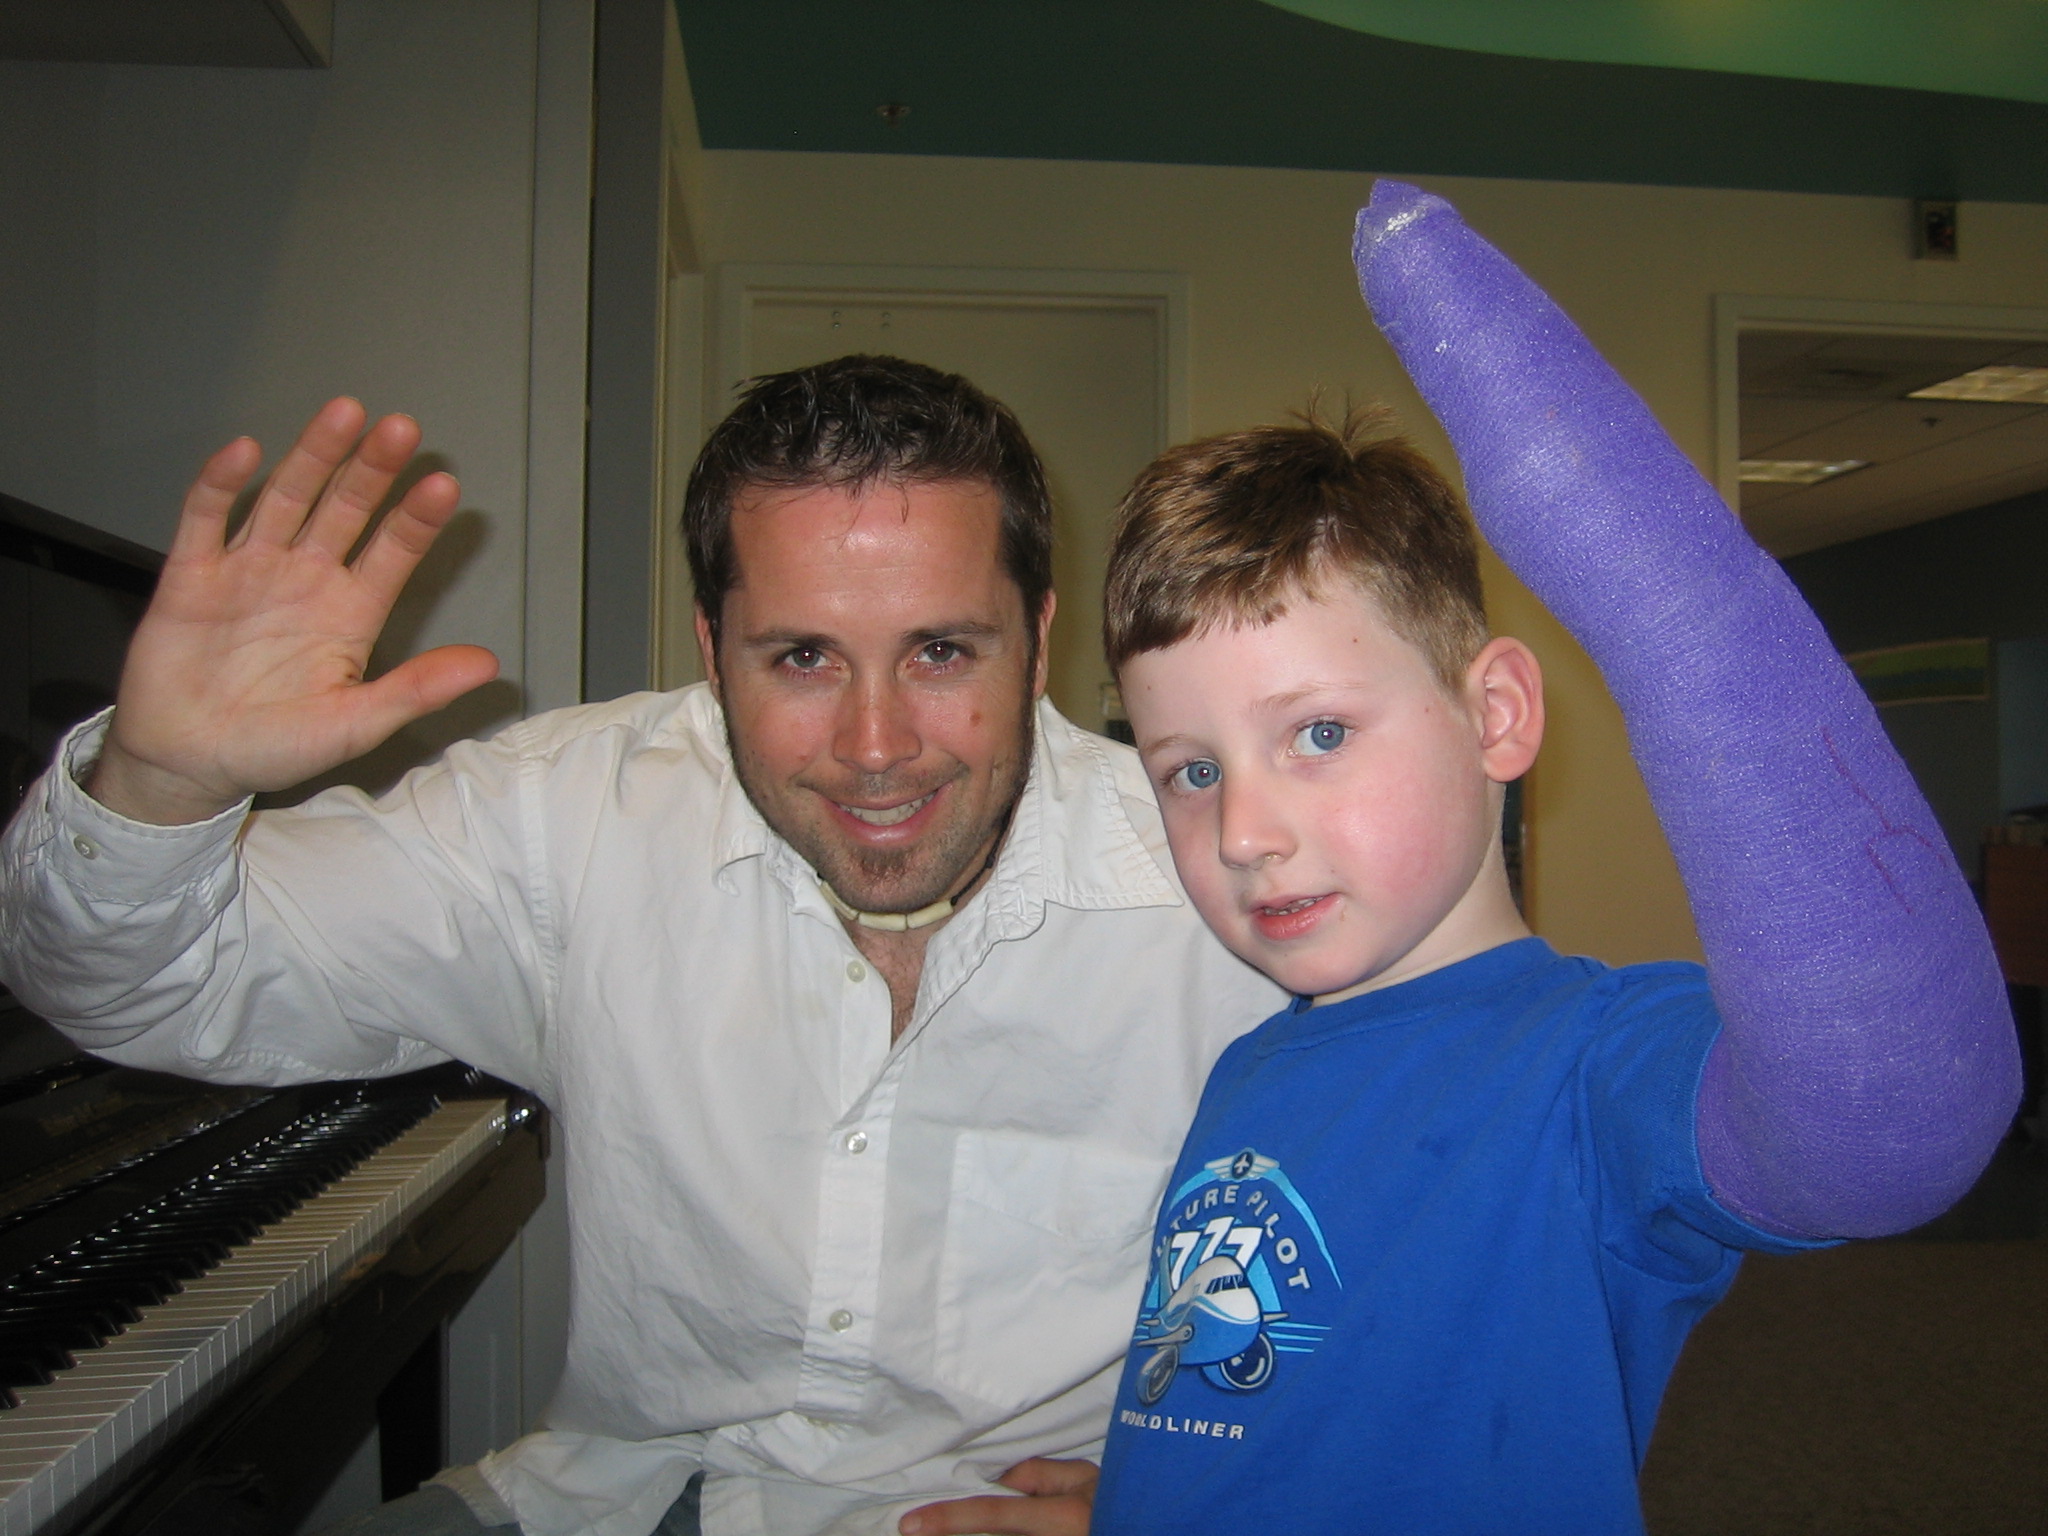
(886, 816)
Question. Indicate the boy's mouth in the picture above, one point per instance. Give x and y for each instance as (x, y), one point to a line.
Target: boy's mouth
(1290, 919)
(1293, 906)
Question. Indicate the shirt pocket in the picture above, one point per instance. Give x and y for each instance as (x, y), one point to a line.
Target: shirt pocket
(1044, 1258)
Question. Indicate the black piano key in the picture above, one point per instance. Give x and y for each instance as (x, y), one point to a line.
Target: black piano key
(138, 1285)
(224, 1216)
(293, 1183)
(75, 1325)
(57, 1333)
(169, 1263)
(116, 1297)
(168, 1247)
(103, 1315)
(22, 1373)
(138, 1274)
(187, 1234)
(27, 1361)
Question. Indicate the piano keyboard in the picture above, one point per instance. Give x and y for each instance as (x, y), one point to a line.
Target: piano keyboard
(70, 1437)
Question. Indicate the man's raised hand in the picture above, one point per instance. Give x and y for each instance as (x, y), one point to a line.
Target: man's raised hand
(247, 672)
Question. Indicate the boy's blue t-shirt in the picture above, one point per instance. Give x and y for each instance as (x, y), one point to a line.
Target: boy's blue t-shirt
(1427, 1260)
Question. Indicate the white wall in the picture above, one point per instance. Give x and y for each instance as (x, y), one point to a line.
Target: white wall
(1275, 316)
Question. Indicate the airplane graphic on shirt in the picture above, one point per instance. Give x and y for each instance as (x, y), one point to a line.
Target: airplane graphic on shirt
(1236, 1272)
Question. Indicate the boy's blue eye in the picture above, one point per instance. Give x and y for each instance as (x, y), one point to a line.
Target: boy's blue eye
(1322, 736)
(1200, 774)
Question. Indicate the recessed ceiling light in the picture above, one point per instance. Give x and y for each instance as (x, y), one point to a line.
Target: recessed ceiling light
(2000, 382)
(1796, 471)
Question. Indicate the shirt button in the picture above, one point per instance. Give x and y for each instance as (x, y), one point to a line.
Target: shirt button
(840, 1320)
(855, 971)
(857, 1142)
(87, 848)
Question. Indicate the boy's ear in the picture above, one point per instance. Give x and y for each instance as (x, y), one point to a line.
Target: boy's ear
(1504, 685)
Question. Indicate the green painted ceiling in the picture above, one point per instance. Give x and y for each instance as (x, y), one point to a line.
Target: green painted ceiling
(1974, 47)
(1239, 82)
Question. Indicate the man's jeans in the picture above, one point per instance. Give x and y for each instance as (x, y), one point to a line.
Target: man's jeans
(439, 1511)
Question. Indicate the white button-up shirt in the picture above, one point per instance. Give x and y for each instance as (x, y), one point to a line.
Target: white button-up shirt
(844, 1275)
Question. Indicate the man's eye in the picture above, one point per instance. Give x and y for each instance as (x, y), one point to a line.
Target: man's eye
(1320, 736)
(940, 653)
(1202, 773)
(805, 658)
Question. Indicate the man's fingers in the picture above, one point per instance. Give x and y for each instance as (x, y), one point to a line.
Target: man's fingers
(300, 475)
(1046, 1475)
(406, 533)
(995, 1515)
(352, 496)
(212, 498)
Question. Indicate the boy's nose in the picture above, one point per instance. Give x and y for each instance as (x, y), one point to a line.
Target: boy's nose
(876, 731)
(1252, 830)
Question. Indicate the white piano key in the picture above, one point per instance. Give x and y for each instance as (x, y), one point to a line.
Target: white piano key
(55, 1431)
(161, 1368)
(62, 1480)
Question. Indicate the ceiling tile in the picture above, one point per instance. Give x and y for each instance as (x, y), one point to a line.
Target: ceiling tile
(1768, 421)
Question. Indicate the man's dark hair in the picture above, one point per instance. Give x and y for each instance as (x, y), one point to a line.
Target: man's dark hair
(853, 422)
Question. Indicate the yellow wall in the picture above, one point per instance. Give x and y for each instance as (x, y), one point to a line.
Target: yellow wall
(1275, 317)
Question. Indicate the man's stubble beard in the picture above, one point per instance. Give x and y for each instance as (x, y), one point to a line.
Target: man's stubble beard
(870, 878)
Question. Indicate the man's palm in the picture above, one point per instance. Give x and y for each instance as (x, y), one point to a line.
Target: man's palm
(247, 672)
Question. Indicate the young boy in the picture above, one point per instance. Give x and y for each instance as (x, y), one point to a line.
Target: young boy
(1438, 1231)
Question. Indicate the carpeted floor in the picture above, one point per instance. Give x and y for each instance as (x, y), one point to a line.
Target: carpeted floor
(1882, 1389)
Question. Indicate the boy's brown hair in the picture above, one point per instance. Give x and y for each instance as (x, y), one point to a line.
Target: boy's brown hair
(1226, 530)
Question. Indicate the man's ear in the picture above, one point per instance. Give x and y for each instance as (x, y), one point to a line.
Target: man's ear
(1044, 664)
(1504, 685)
(709, 650)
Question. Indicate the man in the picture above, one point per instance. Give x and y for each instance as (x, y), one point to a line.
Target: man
(857, 980)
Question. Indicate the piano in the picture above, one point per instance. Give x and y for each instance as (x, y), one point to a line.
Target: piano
(209, 1294)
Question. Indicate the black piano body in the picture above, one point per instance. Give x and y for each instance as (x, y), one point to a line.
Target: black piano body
(310, 1245)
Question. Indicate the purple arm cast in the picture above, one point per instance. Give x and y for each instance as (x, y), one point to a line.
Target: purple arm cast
(1867, 1064)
